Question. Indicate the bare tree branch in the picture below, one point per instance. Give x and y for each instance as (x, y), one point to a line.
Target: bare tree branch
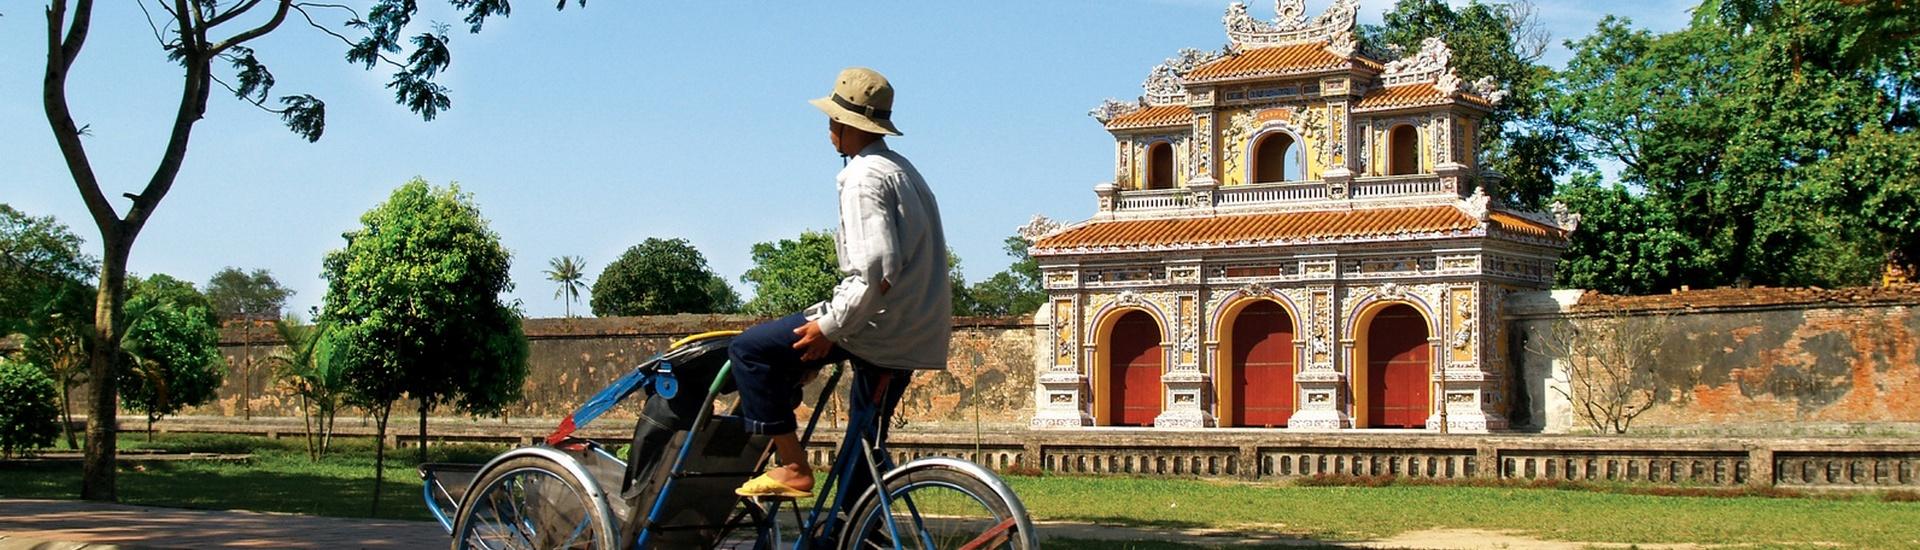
(302, 8)
(279, 15)
(232, 13)
(66, 134)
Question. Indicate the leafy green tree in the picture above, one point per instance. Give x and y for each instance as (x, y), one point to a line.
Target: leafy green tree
(1015, 291)
(1626, 243)
(790, 274)
(414, 305)
(27, 413)
(39, 259)
(659, 277)
(570, 273)
(171, 355)
(200, 35)
(248, 297)
(1731, 128)
(303, 367)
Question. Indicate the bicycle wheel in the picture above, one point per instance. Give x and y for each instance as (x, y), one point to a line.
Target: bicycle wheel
(936, 505)
(530, 503)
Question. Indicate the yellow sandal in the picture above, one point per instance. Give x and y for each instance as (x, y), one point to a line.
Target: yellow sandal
(767, 487)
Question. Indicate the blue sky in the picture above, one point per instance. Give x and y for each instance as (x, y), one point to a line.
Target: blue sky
(584, 132)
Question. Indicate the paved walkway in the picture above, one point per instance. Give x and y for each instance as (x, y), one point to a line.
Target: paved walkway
(76, 525)
(67, 524)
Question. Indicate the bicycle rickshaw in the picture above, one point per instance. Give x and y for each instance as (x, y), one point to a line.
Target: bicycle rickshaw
(677, 489)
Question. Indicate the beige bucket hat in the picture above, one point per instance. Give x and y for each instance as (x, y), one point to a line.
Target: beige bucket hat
(861, 98)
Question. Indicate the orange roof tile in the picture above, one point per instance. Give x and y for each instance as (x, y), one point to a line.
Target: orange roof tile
(1275, 228)
(1296, 58)
(1410, 95)
(1153, 117)
(1508, 221)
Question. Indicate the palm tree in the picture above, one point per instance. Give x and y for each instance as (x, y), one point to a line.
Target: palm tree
(570, 272)
(304, 369)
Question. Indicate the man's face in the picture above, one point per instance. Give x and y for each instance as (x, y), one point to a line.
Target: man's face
(833, 133)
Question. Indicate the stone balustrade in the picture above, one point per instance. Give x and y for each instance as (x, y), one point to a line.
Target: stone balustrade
(1205, 194)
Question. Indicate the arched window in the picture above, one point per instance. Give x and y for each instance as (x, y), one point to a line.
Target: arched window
(1273, 158)
(1403, 150)
(1160, 166)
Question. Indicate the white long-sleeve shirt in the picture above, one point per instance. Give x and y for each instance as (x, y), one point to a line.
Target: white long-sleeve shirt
(894, 307)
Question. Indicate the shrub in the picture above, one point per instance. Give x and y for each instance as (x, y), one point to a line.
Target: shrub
(28, 417)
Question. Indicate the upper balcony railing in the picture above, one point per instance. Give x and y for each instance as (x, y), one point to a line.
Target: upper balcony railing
(1206, 195)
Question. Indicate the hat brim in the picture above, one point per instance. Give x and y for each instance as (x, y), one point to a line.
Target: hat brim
(850, 118)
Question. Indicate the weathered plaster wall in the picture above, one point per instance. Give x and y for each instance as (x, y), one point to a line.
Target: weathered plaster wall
(1737, 359)
(990, 371)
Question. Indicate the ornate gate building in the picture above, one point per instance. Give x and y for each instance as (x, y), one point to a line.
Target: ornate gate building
(1294, 238)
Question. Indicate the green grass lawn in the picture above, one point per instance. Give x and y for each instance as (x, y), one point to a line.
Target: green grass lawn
(280, 478)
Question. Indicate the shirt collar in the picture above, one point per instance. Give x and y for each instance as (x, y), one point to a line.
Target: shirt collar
(873, 148)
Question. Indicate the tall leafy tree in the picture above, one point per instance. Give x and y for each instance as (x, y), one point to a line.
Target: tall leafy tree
(1742, 133)
(790, 274)
(569, 272)
(414, 305)
(213, 41)
(659, 277)
(250, 298)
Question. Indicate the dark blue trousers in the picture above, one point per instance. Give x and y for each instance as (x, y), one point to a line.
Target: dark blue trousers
(769, 373)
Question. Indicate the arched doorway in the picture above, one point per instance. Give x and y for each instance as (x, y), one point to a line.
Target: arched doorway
(1134, 365)
(1398, 368)
(1160, 166)
(1403, 150)
(1262, 362)
(1275, 158)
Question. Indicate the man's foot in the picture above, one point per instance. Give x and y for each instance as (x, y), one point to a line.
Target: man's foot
(780, 482)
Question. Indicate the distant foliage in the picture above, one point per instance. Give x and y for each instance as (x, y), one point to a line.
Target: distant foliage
(1015, 291)
(254, 296)
(790, 274)
(661, 277)
(28, 417)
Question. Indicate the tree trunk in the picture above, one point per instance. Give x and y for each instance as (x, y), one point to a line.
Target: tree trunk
(380, 455)
(306, 425)
(97, 472)
(66, 412)
(246, 371)
(423, 431)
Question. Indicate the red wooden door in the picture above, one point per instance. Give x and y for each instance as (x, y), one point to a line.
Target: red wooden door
(1135, 354)
(1397, 369)
(1263, 358)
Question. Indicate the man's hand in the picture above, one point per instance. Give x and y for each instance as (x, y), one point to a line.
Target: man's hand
(813, 344)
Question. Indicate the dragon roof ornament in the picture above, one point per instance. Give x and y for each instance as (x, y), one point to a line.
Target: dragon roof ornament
(1164, 85)
(1290, 25)
(1433, 64)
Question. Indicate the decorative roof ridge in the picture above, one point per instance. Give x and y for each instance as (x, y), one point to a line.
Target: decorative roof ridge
(1290, 26)
(1433, 64)
(1165, 85)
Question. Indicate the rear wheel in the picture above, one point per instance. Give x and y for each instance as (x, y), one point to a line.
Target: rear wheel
(530, 503)
(936, 507)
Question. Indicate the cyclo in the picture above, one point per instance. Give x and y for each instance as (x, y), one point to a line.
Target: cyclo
(677, 489)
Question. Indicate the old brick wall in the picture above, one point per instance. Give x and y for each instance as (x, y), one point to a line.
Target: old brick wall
(990, 371)
(1743, 360)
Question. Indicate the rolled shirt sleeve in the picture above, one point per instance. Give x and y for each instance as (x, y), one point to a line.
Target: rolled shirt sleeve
(870, 253)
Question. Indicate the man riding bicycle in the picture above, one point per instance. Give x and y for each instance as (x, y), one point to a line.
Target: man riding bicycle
(891, 314)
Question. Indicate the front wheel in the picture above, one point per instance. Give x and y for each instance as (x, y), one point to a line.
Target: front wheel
(939, 504)
(531, 503)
